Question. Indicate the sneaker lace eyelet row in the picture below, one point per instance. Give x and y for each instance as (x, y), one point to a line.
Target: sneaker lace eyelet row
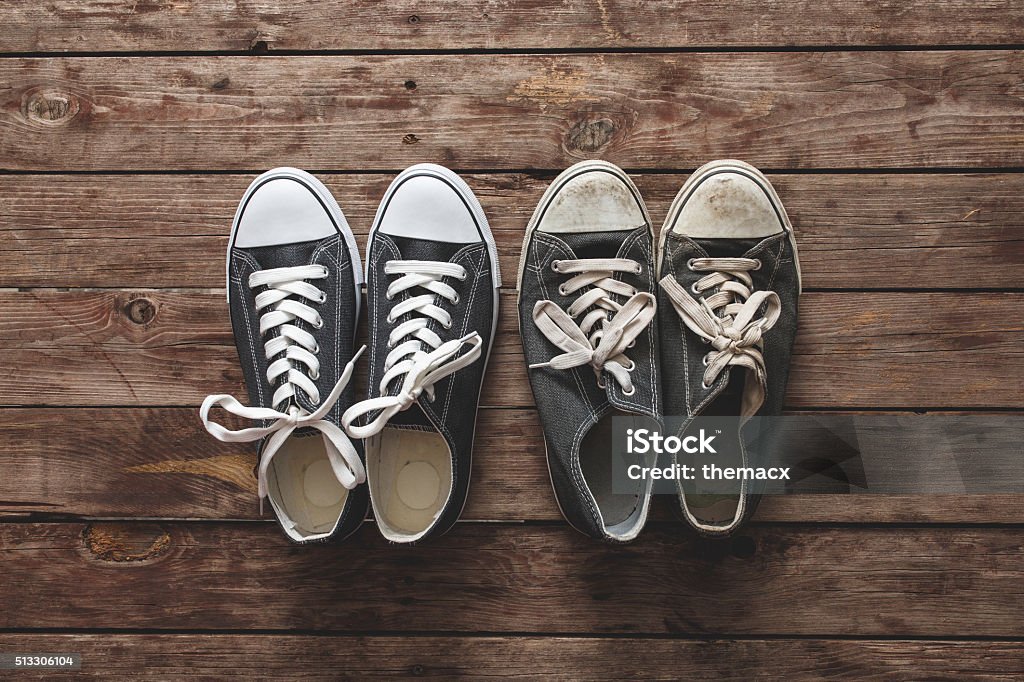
(292, 353)
(595, 328)
(419, 357)
(730, 315)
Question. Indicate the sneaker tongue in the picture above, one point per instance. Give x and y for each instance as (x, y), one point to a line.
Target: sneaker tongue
(586, 245)
(413, 418)
(419, 249)
(729, 248)
(425, 249)
(284, 255)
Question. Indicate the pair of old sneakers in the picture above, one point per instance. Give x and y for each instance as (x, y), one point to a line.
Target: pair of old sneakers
(294, 281)
(615, 323)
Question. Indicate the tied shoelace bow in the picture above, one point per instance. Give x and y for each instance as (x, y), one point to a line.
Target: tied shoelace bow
(728, 319)
(418, 369)
(282, 301)
(602, 336)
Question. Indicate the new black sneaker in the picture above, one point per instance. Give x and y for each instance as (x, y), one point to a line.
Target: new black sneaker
(586, 316)
(729, 280)
(293, 279)
(432, 302)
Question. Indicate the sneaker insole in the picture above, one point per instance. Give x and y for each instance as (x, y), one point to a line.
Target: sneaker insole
(717, 501)
(411, 474)
(596, 461)
(304, 486)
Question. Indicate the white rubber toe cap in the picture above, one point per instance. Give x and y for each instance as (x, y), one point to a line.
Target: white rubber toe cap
(727, 205)
(595, 200)
(282, 209)
(426, 206)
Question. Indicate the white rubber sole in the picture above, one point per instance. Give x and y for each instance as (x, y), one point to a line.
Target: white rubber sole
(549, 193)
(473, 203)
(326, 198)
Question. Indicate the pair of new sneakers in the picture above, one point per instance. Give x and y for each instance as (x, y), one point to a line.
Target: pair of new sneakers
(614, 323)
(294, 281)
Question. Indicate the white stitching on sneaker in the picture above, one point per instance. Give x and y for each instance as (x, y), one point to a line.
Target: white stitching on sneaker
(297, 348)
(418, 369)
(601, 337)
(726, 319)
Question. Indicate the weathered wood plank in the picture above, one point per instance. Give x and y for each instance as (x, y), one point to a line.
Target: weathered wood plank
(172, 348)
(854, 231)
(124, 25)
(777, 110)
(550, 658)
(160, 463)
(783, 580)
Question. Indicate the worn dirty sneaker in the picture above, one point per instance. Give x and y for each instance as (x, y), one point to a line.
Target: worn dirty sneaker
(293, 285)
(586, 317)
(729, 281)
(432, 306)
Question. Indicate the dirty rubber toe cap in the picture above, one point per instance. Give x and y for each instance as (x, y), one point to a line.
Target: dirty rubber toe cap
(728, 205)
(596, 200)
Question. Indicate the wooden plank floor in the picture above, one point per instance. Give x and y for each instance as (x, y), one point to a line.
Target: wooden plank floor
(894, 133)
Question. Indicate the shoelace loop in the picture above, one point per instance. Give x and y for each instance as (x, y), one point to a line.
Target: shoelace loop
(727, 319)
(607, 328)
(282, 301)
(417, 368)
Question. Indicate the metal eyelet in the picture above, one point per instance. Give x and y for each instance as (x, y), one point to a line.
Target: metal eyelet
(326, 271)
(446, 326)
(389, 319)
(758, 261)
(639, 269)
(463, 276)
(314, 377)
(554, 265)
(631, 391)
(705, 360)
(689, 264)
(600, 383)
(562, 291)
(704, 386)
(389, 296)
(319, 323)
(323, 298)
(316, 349)
(456, 300)
(632, 365)
(694, 289)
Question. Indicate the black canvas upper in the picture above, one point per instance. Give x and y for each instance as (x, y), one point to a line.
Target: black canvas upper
(335, 338)
(682, 351)
(570, 401)
(452, 413)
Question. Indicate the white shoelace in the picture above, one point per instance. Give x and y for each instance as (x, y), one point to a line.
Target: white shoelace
(418, 369)
(601, 338)
(282, 303)
(728, 319)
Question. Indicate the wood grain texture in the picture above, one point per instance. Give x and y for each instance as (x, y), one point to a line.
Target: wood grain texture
(854, 231)
(127, 25)
(776, 110)
(781, 580)
(161, 463)
(912, 350)
(550, 658)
